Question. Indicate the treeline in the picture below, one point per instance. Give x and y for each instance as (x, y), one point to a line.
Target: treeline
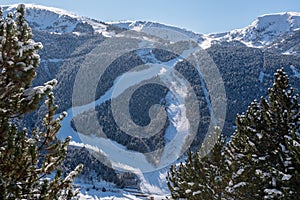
(261, 160)
(96, 168)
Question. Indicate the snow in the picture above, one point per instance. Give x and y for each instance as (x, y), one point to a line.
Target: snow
(87, 192)
(272, 191)
(296, 144)
(175, 102)
(208, 40)
(132, 78)
(286, 177)
(283, 148)
(53, 60)
(87, 146)
(46, 17)
(262, 158)
(188, 191)
(118, 155)
(29, 93)
(251, 143)
(259, 135)
(110, 148)
(191, 184)
(162, 30)
(107, 145)
(274, 181)
(55, 20)
(258, 172)
(290, 52)
(152, 180)
(241, 184)
(196, 193)
(258, 34)
(295, 71)
(261, 32)
(240, 171)
(261, 76)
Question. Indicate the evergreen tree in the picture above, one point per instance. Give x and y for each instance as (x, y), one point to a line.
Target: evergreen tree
(262, 156)
(263, 153)
(27, 158)
(200, 178)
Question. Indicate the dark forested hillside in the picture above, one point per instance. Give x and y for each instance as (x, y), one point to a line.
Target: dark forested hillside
(245, 69)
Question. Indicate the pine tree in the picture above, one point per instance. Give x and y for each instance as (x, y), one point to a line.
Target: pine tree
(27, 158)
(263, 153)
(200, 178)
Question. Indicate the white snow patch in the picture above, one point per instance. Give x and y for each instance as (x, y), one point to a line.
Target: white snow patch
(295, 71)
(55, 20)
(164, 31)
(261, 32)
(196, 193)
(259, 135)
(241, 184)
(272, 191)
(188, 191)
(286, 177)
(296, 144)
(240, 171)
(261, 77)
(290, 52)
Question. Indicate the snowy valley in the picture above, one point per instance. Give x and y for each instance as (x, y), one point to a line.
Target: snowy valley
(246, 60)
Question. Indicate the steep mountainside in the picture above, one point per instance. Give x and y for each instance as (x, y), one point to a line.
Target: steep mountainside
(246, 59)
(264, 30)
(54, 20)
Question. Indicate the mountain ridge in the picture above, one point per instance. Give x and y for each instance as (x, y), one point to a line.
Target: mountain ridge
(260, 33)
(245, 68)
(55, 20)
(265, 28)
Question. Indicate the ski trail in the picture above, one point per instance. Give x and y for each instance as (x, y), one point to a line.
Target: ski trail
(178, 129)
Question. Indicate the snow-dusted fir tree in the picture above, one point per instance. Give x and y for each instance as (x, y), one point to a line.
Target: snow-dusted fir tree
(263, 153)
(200, 178)
(27, 157)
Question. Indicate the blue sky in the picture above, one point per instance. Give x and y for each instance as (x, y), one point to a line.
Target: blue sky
(203, 16)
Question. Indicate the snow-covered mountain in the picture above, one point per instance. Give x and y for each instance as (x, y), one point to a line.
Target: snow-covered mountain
(246, 58)
(143, 25)
(54, 20)
(262, 31)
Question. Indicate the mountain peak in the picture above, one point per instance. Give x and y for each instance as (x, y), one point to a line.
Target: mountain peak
(12, 7)
(264, 30)
(59, 21)
(277, 23)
